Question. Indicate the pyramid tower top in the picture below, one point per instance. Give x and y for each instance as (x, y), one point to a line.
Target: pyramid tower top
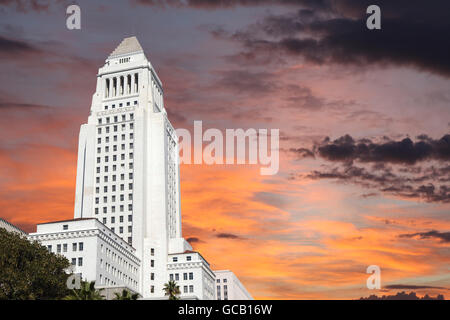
(127, 46)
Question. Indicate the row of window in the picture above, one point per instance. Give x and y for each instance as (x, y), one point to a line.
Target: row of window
(99, 149)
(114, 157)
(63, 247)
(188, 258)
(185, 289)
(113, 106)
(126, 279)
(116, 118)
(80, 261)
(121, 85)
(224, 280)
(118, 260)
(225, 293)
(115, 128)
(186, 276)
(115, 138)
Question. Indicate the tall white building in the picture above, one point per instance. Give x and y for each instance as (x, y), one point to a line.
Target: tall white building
(128, 174)
(127, 213)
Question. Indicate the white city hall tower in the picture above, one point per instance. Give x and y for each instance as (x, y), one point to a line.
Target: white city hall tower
(128, 173)
(126, 231)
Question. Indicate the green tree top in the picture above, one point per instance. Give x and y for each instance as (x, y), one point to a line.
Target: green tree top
(86, 292)
(172, 290)
(29, 271)
(126, 295)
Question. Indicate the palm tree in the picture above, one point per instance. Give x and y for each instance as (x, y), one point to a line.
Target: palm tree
(86, 292)
(172, 290)
(126, 295)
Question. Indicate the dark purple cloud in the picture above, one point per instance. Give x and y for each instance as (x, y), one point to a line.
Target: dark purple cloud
(347, 149)
(14, 47)
(231, 236)
(443, 236)
(335, 32)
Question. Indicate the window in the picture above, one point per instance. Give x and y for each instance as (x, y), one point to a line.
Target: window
(130, 240)
(65, 227)
(174, 259)
(171, 277)
(185, 289)
(152, 251)
(185, 275)
(80, 246)
(58, 248)
(152, 263)
(65, 247)
(74, 247)
(225, 281)
(80, 262)
(191, 288)
(188, 258)
(218, 280)
(130, 218)
(152, 289)
(177, 276)
(191, 276)
(74, 261)
(152, 276)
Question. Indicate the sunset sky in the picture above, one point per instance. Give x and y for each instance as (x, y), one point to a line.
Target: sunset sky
(364, 119)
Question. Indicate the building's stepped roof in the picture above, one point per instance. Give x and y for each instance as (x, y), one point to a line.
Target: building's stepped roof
(127, 46)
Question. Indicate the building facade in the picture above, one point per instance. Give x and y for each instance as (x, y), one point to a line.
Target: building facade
(128, 173)
(8, 226)
(126, 230)
(193, 275)
(228, 287)
(95, 252)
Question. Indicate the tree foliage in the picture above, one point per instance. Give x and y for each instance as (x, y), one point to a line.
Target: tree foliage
(172, 290)
(87, 291)
(126, 295)
(29, 271)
